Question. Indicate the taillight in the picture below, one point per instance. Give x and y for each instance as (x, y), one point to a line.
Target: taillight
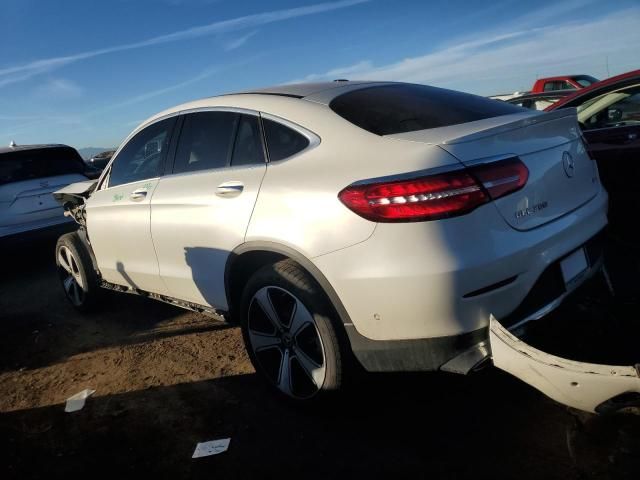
(503, 177)
(437, 196)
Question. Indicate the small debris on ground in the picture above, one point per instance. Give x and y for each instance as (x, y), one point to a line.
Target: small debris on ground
(76, 402)
(214, 447)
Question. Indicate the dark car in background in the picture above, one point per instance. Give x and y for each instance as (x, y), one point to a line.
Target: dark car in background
(609, 116)
(28, 176)
(100, 160)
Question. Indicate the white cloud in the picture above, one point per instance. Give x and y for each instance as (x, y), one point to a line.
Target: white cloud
(511, 60)
(238, 42)
(59, 89)
(22, 72)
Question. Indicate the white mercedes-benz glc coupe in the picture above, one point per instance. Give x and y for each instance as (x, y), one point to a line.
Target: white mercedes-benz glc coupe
(384, 223)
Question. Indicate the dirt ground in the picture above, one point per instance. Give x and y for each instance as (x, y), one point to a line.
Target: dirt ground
(166, 379)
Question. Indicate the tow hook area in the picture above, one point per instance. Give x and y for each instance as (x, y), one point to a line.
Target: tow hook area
(585, 386)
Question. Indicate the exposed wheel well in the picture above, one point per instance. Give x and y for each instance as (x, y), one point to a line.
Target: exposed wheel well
(241, 269)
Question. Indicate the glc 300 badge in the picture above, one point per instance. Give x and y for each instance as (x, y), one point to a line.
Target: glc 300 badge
(525, 212)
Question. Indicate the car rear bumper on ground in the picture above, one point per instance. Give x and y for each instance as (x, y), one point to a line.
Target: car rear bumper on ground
(585, 386)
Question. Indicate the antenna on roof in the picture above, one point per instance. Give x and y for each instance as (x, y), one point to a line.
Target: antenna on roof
(12, 144)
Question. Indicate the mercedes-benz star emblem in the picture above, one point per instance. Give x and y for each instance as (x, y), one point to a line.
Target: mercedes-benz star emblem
(569, 164)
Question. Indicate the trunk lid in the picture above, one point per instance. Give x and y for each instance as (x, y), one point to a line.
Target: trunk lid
(32, 200)
(562, 176)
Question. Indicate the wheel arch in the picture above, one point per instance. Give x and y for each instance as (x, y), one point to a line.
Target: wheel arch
(247, 258)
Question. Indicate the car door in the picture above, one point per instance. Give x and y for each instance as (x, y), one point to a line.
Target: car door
(201, 210)
(611, 125)
(118, 212)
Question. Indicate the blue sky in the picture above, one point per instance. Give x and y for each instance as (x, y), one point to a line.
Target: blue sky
(86, 72)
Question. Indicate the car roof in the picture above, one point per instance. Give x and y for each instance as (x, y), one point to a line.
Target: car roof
(22, 148)
(601, 85)
(302, 90)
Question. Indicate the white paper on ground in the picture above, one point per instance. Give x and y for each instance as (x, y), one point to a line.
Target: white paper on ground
(213, 447)
(76, 402)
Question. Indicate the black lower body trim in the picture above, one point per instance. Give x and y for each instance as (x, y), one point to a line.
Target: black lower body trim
(415, 355)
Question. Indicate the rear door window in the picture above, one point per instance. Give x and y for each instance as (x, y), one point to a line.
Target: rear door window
(206, 141)
(248, 149)
(39, 163)
(282, 141)
(391, 109)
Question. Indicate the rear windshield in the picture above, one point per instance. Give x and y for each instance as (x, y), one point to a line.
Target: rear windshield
(389, 109)
(38, 163)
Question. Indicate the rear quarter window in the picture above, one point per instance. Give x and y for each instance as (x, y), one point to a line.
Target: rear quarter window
(39, 163)
(391, 109)
(282, 141)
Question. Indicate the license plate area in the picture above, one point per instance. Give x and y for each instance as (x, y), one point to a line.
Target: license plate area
(574, 266)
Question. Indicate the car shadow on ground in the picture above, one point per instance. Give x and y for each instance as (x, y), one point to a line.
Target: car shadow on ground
(423, 425)
(39, 327)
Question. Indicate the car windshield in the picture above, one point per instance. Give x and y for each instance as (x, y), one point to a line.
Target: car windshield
(586, 80)
(399, 108)
(38, 163)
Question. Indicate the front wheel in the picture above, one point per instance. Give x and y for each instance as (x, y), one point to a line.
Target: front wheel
(75, 270)
(290, 331)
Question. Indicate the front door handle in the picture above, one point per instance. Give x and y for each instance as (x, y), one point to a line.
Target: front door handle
(230, 189)
(138, 195)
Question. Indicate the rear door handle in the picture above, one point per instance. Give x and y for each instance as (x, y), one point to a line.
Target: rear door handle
(230, 189)
(138, 194)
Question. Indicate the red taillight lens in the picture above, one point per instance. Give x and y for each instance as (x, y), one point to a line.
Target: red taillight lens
(436, 196)
(503, 177)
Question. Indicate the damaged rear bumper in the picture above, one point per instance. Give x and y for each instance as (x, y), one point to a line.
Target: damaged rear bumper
(584, 386)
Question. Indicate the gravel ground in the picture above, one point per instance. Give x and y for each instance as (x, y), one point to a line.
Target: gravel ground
(166, 379)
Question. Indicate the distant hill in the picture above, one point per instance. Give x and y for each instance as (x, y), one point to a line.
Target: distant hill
(89, 152)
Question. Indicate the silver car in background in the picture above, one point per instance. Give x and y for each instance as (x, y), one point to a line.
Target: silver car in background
(28, 176)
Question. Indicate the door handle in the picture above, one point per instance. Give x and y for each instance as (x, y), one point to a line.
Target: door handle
(138, 195)
(230, 189)
(632, 136)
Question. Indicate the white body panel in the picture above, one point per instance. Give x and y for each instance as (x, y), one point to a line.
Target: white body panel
(195, 226)
(412, 284)
(119, 227)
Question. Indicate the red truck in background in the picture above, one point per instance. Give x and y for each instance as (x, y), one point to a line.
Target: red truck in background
(564, 82)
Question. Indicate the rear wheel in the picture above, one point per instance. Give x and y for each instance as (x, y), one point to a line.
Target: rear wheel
(290, 332)
(75, 270)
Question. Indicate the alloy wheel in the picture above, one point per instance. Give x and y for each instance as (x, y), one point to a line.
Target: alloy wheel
(70, 276)
(285, 340)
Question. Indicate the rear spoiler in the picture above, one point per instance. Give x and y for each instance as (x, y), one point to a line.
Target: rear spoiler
(468, 132)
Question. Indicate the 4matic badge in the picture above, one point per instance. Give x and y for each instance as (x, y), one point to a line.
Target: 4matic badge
(531, 210)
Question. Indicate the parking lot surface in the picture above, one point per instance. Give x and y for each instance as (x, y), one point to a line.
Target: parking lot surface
(166, 379)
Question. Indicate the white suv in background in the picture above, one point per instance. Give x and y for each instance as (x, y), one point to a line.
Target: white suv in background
(387, 220)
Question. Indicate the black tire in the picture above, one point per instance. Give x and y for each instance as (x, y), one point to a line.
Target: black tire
(77, 275)
(278, 284)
